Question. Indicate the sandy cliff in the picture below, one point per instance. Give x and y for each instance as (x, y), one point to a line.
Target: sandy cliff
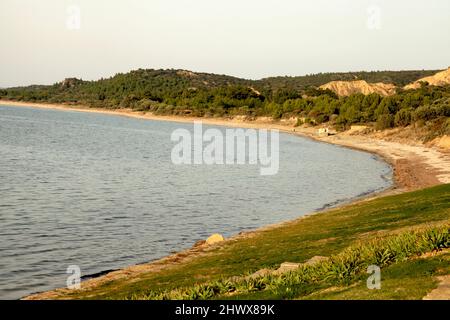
(439, 79)
(345, 88)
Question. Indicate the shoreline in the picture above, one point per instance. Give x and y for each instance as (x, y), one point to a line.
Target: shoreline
(413, 166)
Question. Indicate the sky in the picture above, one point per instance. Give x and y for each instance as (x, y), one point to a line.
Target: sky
(45, 41)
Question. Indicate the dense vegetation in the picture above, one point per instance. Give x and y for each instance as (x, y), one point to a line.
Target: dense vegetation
(399, 78)
(200, 94)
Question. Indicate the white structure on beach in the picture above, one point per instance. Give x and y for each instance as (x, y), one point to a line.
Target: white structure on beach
(323, 131)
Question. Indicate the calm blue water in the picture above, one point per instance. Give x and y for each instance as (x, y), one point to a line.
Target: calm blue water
(100, 191)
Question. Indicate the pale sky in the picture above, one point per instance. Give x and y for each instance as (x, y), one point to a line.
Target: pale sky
(43, 41)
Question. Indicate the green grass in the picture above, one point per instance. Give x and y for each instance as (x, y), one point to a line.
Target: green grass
(405, 280)
(325, 234)
(411, 280)
(341, 269)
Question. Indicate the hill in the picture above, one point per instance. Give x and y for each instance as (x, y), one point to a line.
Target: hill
(346, 88)
(439, 79)
(162, 85)
(398, 78)
(369, 99)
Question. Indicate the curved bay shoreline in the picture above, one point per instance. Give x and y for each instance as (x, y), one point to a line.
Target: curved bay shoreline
(414, 166)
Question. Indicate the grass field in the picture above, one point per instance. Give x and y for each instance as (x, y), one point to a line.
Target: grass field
(323, 234)
(405, 280)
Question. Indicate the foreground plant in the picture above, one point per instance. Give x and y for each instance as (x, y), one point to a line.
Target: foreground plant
(338, 269)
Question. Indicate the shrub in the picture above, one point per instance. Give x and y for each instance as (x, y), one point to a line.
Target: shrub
(321, 119)
(384, 121)
(443, 110)
(299, 122)
(403, 117)
(277, 114)
(424, 113)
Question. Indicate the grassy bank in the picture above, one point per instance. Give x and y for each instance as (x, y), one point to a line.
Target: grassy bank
(410, 279)
(324, 234)
(342, 269)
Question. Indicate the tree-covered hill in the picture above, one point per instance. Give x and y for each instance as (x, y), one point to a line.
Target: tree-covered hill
(182, 92)
(398, 78)
(161, 85)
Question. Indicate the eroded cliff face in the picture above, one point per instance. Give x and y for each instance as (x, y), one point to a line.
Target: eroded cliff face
(439, 79)
(346, 88)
